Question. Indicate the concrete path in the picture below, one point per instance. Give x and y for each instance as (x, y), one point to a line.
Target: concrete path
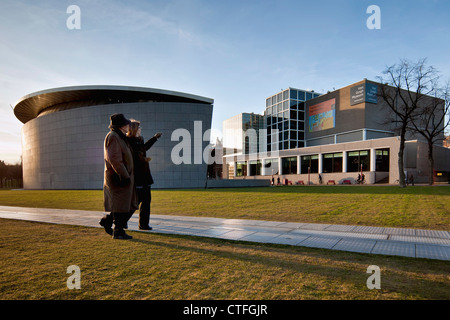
(415, 243)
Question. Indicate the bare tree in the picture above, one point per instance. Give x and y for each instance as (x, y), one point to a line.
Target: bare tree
(432, 121)
(404, 87)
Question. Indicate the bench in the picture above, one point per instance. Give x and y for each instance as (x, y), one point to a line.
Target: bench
(300, 182)
(331, 182)
(346, 182)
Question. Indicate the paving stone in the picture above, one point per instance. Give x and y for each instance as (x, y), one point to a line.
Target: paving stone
(394, 248)
(355, 245)
(260, 237)
(432, 251)
(235, 235)
(288, 239)
(367, 229)
(400, 231)
(433, 233)
(421, 240)
(338, 227)
(319, 242)
(314, 226)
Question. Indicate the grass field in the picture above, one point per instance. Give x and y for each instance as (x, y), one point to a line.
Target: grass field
(35, 257)
(421, 207)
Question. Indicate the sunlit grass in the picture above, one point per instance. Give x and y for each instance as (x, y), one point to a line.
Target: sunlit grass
(420, 207)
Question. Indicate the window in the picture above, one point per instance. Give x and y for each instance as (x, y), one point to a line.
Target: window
(285, 95)
(289, 165)
(358, 160)
(332, 162)
(301, 115)
(293, 125)
(301, 135)
(255, 167)
(271, 166)
(301, 95)
(310, 164)
(382, 160)
(308, 95)
(241, 169)
(293, 115)
(293, 94)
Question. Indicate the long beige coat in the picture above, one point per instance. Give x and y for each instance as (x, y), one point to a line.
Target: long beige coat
(118, 188)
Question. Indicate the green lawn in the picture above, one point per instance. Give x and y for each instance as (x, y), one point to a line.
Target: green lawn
(34, 258)
(421, 207)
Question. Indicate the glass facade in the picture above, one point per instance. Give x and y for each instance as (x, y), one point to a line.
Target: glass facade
(255, 168)
(332, 162)
(382, 160)
(271, 167)
(289, 165)
(310, 162)
(358, 161)
(241, 169)
(285, 119)
(244, 134)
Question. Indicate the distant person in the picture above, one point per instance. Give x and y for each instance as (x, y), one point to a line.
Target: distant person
(118, 188)
(142, 175)
(273, 181)
(278, 181)
(411, 179)
(320, 178)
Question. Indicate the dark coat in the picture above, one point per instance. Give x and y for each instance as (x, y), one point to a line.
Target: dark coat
(142, 173)
(119, 192)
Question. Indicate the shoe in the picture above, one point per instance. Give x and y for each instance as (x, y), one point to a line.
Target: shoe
(146, 228)
(108, 227)
(121, 235)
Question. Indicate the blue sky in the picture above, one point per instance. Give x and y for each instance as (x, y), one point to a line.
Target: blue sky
(236, 52)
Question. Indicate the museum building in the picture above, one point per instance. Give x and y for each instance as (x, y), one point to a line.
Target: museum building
(64, 131)
(308, 138)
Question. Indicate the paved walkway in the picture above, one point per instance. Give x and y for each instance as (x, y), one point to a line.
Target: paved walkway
(416, 243)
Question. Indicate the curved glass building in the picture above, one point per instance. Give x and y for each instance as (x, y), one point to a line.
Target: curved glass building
(64, 131)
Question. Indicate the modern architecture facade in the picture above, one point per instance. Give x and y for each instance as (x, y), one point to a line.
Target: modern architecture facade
(285, 118)
(332, 138)
(64, 131)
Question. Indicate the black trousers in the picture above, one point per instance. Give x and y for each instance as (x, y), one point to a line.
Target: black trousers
(119, 219)
(144, 199)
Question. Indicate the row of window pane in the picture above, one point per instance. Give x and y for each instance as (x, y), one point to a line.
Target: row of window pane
(286, 115)
(331, 162)
(286, 105)
(290, 94)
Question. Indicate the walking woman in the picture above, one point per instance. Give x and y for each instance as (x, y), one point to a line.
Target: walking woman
(142, 175)
(118, 189)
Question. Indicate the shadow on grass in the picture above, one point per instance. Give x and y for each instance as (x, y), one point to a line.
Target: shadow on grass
(399, 274)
